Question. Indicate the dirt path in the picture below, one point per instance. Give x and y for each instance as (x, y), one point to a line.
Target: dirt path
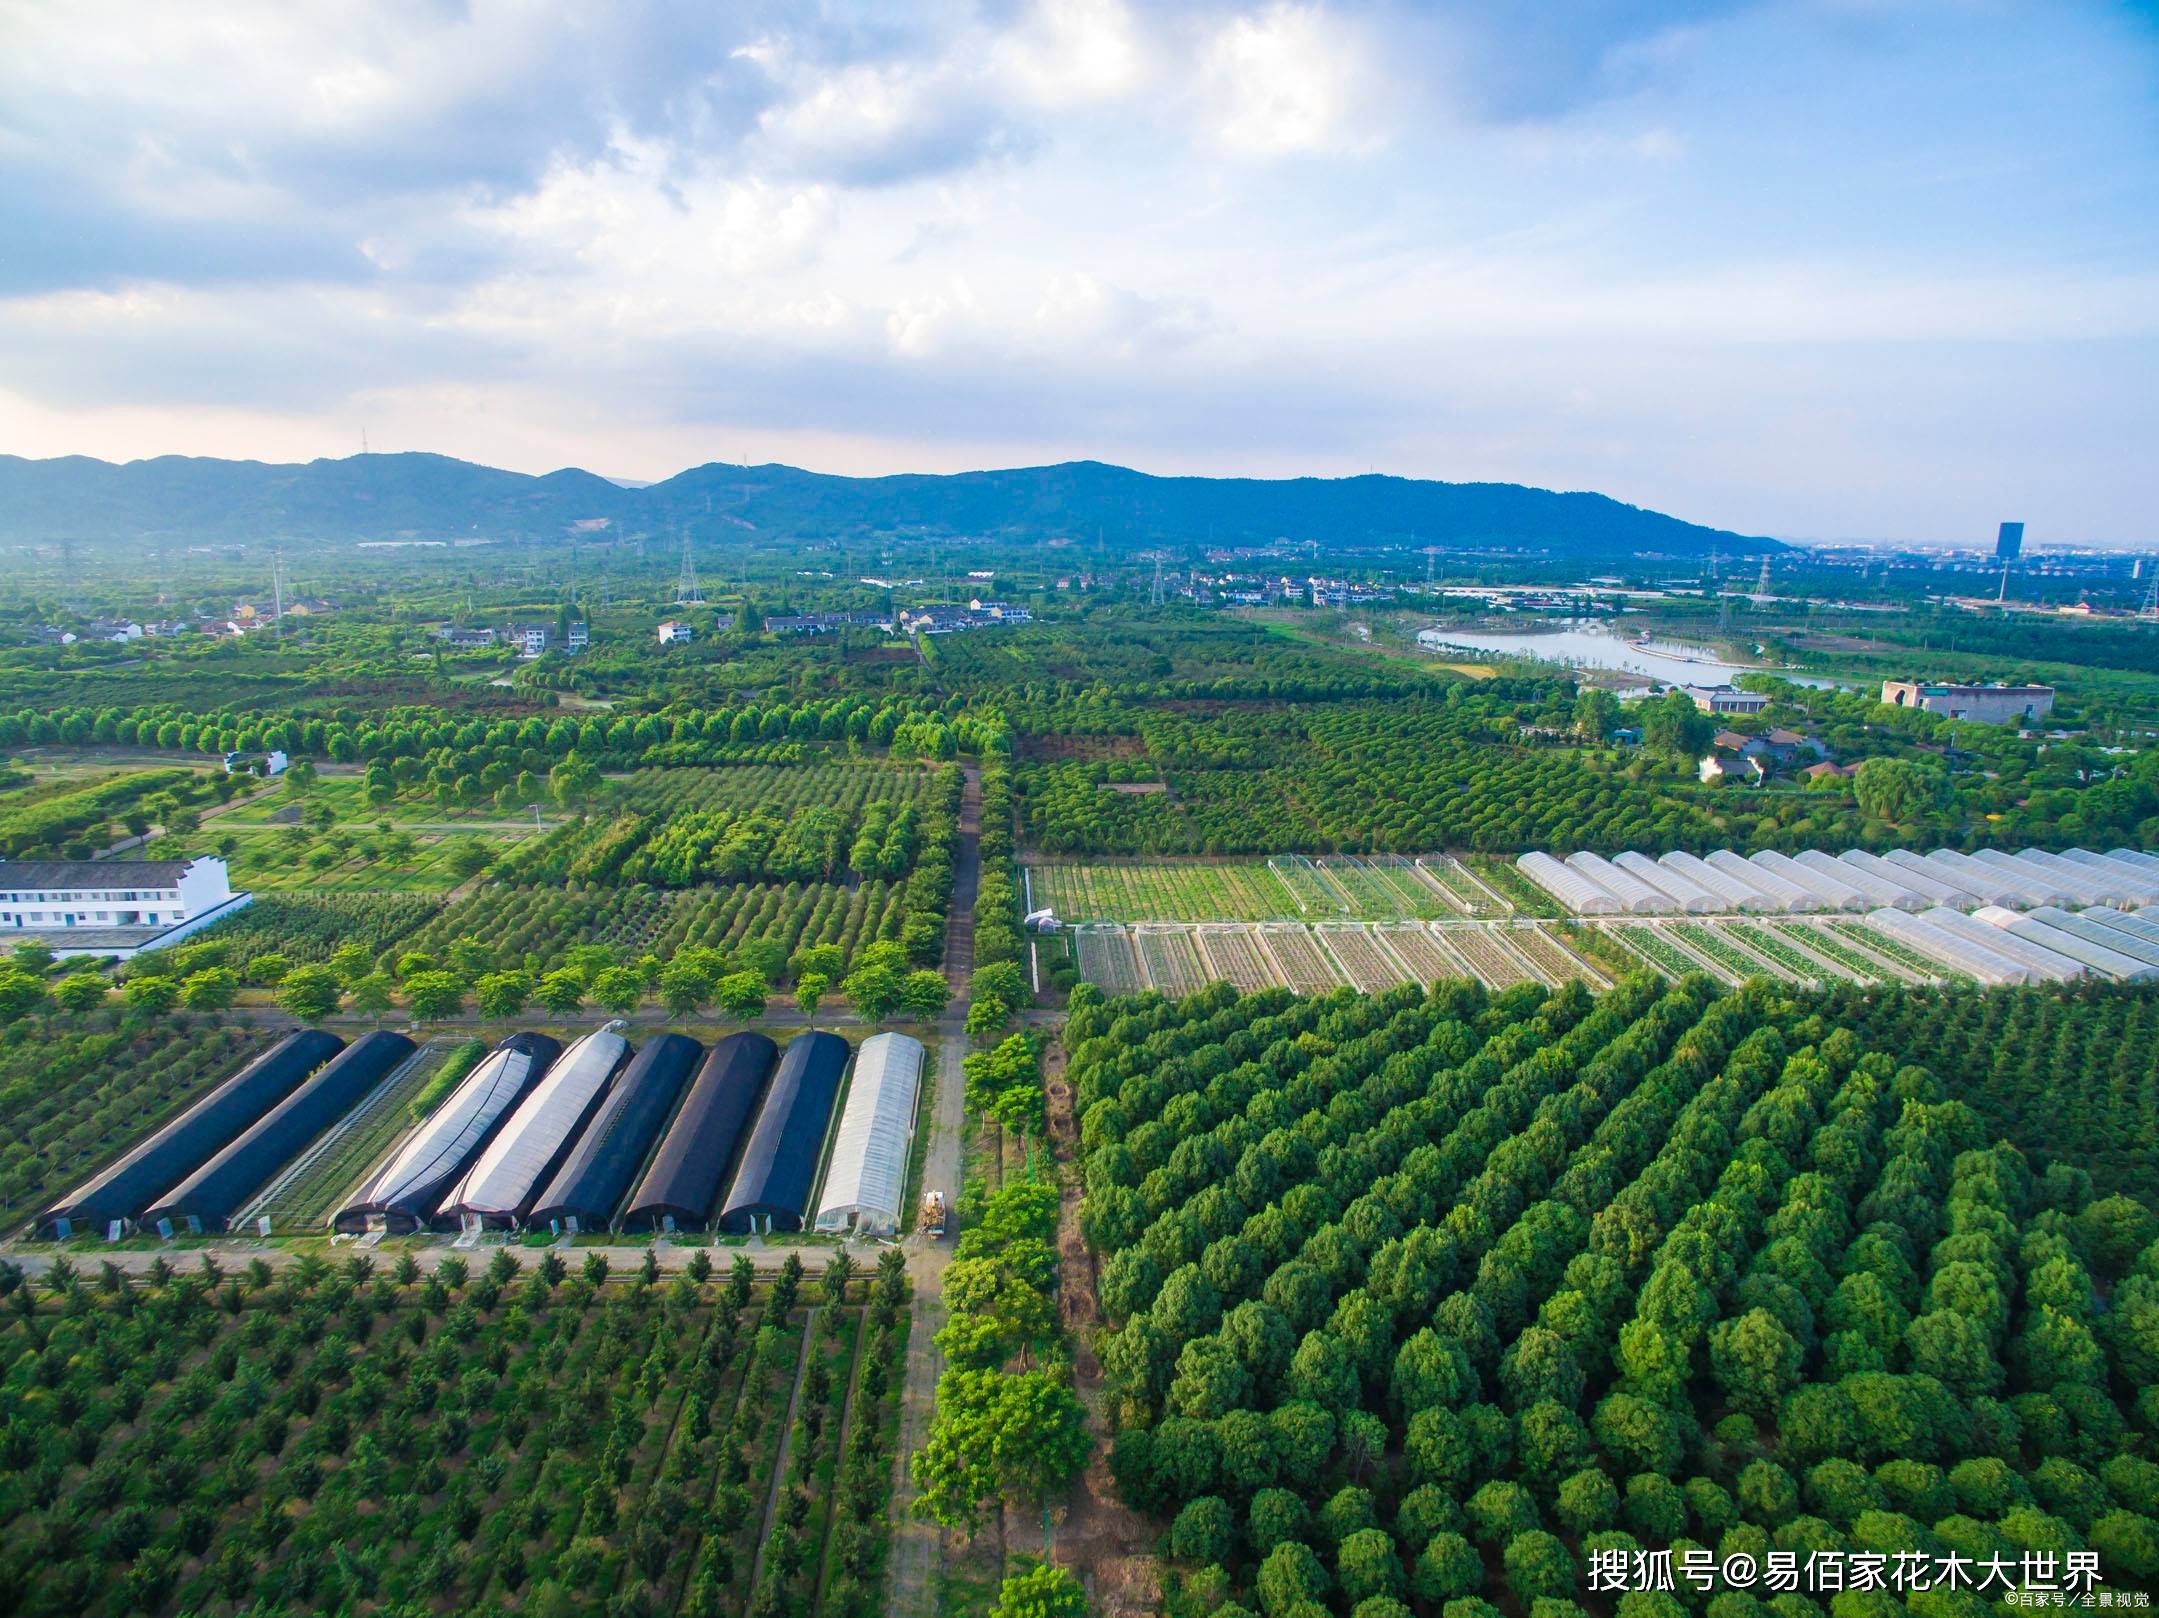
(918, 1546)
(787, 1438)
(1101, 1539)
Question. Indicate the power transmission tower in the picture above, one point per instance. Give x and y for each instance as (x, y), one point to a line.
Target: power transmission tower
(277, 591)
(1157, 598)
(1761, 585)
(687, 594)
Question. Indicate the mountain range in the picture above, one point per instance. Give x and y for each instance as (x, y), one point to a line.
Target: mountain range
(421, 496)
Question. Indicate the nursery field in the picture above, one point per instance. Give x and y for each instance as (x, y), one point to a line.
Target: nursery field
(539, 924)
(1316, 960)
(1453, 1294)
(1286, 887)
(365, 1437)
(72, 1099)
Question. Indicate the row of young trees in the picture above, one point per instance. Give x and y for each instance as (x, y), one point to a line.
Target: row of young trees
(1007, 1425)
(325, 1438)
(350, 734)
(1484, 1277)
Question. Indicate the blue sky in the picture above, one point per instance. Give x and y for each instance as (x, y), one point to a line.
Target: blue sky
(1843, 268)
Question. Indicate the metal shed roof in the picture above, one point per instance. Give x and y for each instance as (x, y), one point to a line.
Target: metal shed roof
(588, 1187)
(206, 1199)
(504, 1179)
(868, 1173)
(682, 1185)
(779, 1160)
(190, 1140)
(409, 1187)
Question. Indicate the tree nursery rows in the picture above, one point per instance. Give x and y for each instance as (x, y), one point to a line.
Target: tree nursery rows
(1449, 1297)
(374, 1439)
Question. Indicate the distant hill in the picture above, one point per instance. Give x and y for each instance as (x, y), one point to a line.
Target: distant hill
(379, 497)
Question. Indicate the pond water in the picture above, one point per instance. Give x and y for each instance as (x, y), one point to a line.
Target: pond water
(1590, 644)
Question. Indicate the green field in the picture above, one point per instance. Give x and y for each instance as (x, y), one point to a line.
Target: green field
(1286, 887)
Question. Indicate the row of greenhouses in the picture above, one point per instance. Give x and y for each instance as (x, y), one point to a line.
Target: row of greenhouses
(538, 1136)
(1856, 881)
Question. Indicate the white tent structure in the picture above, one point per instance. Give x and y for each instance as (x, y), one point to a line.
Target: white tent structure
(1924, 934)
(2050, 965)
(1690, 895)
(1789, 896)
(868, 1173)
(2141, 886)
(2034, 885)
(2084, 885)
(1832, 890)
(2118, 955)
(1869, 875)
(1566, 884)
(1737, 892)
(1921, 875)
(500, 1187)
(2139, 927)
(1635, 896)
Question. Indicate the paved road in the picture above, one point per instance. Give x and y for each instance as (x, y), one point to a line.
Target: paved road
(917, 1546)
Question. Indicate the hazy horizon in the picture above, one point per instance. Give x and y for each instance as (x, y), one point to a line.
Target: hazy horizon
(1800, 269)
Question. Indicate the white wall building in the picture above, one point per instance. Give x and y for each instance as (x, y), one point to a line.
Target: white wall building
(112, 907)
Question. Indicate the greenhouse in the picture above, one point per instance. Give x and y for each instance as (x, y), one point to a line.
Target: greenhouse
(499, 1189)
(1832, 890)
(123, 1191)
(1990, 966)
(866, 1181)
(1869, 874)
(1974, 879)
(1788, 897)
(2083, 884)
(2141, 886)
(403, 1197)
(779, 1160)
(1636, 897)
(2046, 965)
(2103, 926)
(680, 1189)
(2034, 885)
(587, 1189)
(2058, 931)
(2135, 859)
(1929, 881)
(1736, 891)
(1690, 895)
(206, 1199)
(2140, 925)
(1566, 884)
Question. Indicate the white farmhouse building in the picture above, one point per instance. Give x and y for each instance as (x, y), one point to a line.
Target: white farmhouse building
(112, 907)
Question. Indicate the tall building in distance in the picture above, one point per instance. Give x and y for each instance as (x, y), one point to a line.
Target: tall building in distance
(2009, 544)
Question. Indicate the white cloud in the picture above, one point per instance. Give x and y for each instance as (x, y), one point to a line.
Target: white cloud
(1072, 53)
(1291, 79)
